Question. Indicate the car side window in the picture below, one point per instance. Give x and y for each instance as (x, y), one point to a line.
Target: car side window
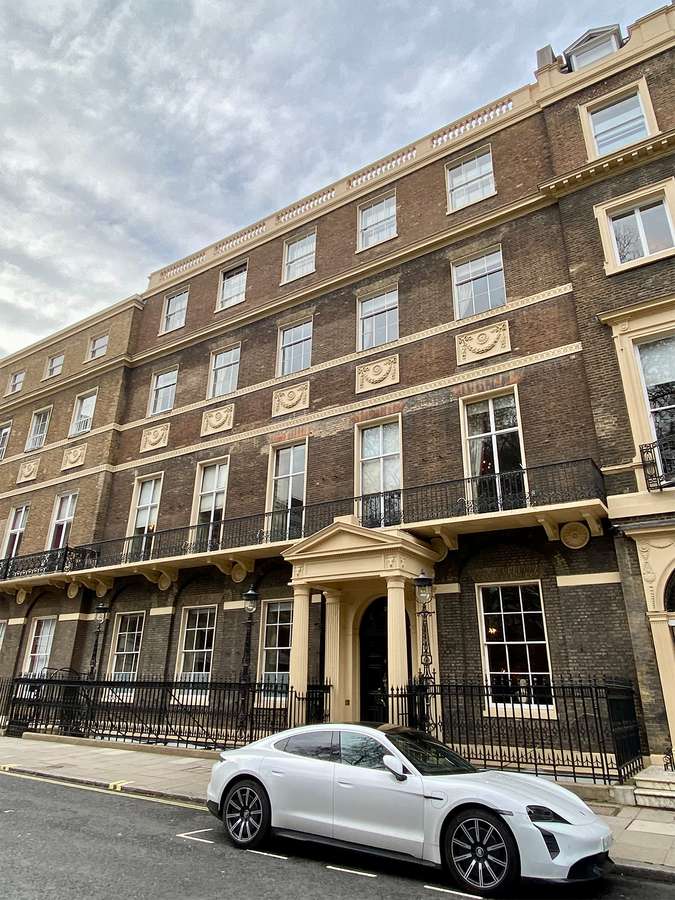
(361, 750)
(314, 744)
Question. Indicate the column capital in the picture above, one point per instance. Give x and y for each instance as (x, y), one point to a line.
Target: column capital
(332, 595)
(301, 592)
(395, 581)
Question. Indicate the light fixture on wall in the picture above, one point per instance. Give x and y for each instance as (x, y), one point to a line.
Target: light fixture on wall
(424, 595)
(250, 599)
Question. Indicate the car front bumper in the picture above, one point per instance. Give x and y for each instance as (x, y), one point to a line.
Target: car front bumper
(562, 852)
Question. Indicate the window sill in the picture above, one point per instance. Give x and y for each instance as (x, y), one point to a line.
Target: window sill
(479, 317)
(614, 268)
(594, 156)
(525, 712)
(170, 330)
(450, 211)
(377, 244)
(220, 309)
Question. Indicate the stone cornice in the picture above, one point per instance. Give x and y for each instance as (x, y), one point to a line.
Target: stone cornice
(635, 155)
(636, 309)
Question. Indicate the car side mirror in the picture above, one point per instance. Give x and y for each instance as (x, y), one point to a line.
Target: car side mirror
(395, 766)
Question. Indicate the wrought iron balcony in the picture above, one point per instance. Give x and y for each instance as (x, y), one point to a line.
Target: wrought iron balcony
(567, 483)
(658, 462)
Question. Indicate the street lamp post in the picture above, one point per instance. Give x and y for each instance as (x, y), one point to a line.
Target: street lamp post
(423, 595)
(250, 605)
(101, 615)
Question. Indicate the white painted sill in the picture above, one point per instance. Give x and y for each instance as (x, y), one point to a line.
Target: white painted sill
(449, 211)
(378, 244)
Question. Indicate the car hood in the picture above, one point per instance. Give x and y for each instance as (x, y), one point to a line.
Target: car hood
(514, 791)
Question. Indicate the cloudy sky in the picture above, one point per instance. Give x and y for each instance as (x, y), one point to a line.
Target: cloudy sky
(134, 132)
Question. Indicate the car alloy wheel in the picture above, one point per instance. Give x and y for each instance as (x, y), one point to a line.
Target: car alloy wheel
(481, 852)
(246, 814)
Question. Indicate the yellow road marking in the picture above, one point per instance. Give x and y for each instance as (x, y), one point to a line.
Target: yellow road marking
(118, 785)
(96, 790)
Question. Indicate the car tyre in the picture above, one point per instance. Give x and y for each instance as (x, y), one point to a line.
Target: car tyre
(246, 814)
(481, 853)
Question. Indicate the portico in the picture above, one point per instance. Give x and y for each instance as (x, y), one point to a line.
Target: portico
(354, 567)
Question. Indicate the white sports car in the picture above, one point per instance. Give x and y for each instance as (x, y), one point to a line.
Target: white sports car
(398, 792)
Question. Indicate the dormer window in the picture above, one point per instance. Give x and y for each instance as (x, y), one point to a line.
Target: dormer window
(593, 46)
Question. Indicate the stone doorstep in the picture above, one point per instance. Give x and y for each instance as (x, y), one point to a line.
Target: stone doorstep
(656, 778)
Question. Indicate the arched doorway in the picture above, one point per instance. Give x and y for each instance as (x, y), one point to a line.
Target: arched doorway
(669, 598)
(373, 661)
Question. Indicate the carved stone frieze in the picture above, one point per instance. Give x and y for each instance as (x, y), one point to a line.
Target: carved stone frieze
(377, 374)
(290, 399)
(28, 470)
(490, 340)
(155, 437)
(73, 457)
(217, 420)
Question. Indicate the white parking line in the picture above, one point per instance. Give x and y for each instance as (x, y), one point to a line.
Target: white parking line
(432, 887)
(188, 835)
(264, 853)
(352, 871)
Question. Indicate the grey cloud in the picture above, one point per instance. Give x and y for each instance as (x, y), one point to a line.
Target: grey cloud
(133, 133)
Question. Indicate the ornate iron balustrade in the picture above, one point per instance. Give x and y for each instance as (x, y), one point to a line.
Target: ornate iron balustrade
(658, 462)
(566, 482)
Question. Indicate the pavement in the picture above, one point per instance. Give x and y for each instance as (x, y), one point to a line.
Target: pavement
(644, 839)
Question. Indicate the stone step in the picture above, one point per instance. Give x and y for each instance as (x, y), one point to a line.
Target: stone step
(654, 798)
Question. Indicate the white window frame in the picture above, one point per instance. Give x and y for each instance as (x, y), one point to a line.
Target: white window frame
(21, 373)
(589, 45)
(368, 204)
(114, 652)
(3, 631)
(74, 418)
(31, 638)
(48, 368)
(262, 644)
(91, 350)
(528, 710)
(464, 429)
(586, 111)
(241, 297)
(153, 387)
(605, 212)
(54, 522)
(30, 436)
(197, 490)
(211, 395)
(164, 328)
(285, 279)
(11, 531)
(194, 691)
(455, 293)
(5, 429)
(133, 509)
(280, 346)
(360, 318)
(459, 162)
(271, 479)
(358, 453)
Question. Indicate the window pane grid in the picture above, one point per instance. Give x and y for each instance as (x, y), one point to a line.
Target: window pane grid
(38, 430)
(16, 530)
(619, 124)
(176, 308)
(277, 642)
(479, 284)
(55, 366)
(164, 391)
(516, 649)
(296, 348)
(233, 287)
(198, 639)
(98, 347)
(642, 231)
(378, 222)
(379, 319)
(471, 180)
(5, 431)
(225, 372)
(300, 256)
(41, 645)
(63, 520)
(127, 646)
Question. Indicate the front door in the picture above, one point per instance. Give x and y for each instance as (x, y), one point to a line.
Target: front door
(373, 643)
(373, 661)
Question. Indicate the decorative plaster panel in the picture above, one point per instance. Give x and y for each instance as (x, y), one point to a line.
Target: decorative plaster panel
(74, 456)
(377, 374)
(216, 420)
(156, 437)
(28, 470)
(290, 399)
(491, 340)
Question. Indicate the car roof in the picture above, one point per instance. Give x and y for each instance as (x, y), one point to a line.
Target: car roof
(344, 726)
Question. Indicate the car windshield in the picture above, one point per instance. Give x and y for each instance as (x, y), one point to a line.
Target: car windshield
(428, 755)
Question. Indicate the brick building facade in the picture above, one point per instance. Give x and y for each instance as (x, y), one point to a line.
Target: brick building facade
(435, 365)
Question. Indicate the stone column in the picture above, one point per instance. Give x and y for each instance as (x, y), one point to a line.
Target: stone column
(665, 659)
(300, 639)
(332, 656)
(397, 650)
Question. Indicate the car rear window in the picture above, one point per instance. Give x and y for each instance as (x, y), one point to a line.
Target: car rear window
(314, 744)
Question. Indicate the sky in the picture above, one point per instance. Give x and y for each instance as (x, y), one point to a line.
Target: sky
(134, 133)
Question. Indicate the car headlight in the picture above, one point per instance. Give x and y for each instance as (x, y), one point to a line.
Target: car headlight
(544, 814)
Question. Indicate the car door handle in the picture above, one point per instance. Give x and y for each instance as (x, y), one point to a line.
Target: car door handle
(277, 772)
(345, 783)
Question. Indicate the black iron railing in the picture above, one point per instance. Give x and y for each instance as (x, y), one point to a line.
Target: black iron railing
(538, 486)
(574, 729)
(6, 686)
(207, 715)
(658, 462)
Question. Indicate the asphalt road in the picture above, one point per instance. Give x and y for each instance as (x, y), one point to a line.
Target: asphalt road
(63, 842)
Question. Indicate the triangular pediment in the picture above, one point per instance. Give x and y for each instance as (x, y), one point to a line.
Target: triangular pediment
(592, 34)
(345, 536)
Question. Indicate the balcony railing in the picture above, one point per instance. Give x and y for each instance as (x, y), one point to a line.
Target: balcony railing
(658, 462)
(539, 486)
